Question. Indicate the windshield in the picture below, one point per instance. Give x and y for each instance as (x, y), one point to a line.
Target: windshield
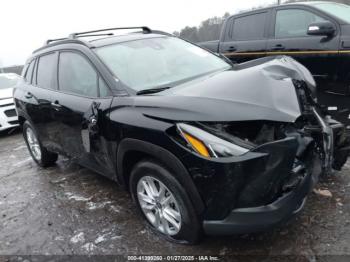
(338, 10)
(8, 80)
(158, 62)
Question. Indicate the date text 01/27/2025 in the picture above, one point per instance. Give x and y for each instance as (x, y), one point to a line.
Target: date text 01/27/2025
(173, 258)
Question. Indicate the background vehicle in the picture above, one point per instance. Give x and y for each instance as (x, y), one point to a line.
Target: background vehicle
(8, 115)
(196, 141)
(317, 34)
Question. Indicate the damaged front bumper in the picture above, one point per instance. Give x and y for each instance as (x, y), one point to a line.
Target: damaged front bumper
(255, 219)
(253, 192)
(263, 190)
(268, 185)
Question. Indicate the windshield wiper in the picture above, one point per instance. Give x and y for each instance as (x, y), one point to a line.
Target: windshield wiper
(152, 90)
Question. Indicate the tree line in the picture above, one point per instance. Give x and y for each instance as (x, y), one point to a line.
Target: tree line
(209, 29)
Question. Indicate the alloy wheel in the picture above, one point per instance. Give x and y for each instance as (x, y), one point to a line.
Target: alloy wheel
(33, 144)
(159, 205)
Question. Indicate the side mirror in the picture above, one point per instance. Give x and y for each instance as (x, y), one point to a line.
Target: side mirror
(322, 29)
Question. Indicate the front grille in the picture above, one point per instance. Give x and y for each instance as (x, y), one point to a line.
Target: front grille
(10, 113)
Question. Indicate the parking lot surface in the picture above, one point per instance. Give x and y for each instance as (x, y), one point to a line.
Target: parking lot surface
(69, 210)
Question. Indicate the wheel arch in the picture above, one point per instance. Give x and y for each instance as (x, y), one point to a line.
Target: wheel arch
(22, 117)
(21, 120)
(131, 151)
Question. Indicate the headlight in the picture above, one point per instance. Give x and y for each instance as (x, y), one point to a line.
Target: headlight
(208, 145)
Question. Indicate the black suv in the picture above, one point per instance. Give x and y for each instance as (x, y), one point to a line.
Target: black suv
(316, 34)
(200, 143)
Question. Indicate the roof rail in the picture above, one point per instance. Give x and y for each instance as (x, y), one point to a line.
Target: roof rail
(72, 38)
(54, 40)
(59, 41)
(145, 30)
(66, 38)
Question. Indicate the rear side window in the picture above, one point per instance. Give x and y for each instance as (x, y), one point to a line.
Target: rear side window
(251, 27)
(76, 75)
(46, 71)
(29, 73)
(294, 22)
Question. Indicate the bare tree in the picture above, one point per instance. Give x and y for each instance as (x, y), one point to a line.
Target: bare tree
(1, 69)
(208, 30)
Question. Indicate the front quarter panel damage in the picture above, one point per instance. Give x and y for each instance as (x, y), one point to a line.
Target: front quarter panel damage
(286, 135)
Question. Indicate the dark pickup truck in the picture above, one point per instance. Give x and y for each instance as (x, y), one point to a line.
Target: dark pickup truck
(317, 34)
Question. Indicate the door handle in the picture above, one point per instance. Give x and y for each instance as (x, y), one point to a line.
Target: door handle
(28, 95)
(231, 49)
(56, 105)
(278, 47)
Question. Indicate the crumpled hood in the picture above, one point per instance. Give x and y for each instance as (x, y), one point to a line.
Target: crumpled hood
(258, 90)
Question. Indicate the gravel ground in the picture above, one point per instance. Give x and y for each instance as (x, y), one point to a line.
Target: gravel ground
(69, 210)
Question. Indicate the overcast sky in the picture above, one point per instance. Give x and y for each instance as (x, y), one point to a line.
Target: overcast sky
(26, 24)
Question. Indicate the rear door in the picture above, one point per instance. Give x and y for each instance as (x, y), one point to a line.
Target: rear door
(245, 36)
(81, 109)
(40, 84)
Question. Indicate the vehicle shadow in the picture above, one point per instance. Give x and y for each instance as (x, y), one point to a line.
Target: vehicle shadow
(9, 132)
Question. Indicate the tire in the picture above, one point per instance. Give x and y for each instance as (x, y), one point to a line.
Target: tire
(190, 230)
(40, 154)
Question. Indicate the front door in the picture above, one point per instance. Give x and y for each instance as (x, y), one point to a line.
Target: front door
(319, 54)
(81, 107)
(245, 37)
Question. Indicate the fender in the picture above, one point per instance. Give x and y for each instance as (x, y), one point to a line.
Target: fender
(22, 113)
(167, 159)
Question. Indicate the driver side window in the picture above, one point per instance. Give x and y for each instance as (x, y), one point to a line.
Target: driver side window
(294, 22)
(76, 75)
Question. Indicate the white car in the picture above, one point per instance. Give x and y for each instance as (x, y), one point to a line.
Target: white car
(8, 114)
